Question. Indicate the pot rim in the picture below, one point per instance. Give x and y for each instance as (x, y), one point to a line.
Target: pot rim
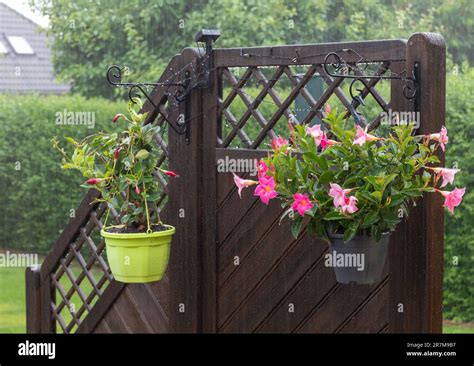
(340, 236)
(171, 230)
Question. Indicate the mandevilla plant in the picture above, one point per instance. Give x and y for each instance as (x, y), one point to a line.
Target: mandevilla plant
(351, 182)
(122, 166)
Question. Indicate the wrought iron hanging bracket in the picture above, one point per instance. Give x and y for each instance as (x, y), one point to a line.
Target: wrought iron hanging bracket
(343, 69)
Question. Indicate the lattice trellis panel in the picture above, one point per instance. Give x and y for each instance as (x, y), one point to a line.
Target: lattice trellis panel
(83, 273)
(258, 102)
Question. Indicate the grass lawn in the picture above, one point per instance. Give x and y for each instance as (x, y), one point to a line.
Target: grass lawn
(12, 297)
(12, 301)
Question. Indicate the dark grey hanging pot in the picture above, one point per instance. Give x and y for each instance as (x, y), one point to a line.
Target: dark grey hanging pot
(360, 260)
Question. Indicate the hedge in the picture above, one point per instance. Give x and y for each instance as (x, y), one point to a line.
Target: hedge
(37, 195)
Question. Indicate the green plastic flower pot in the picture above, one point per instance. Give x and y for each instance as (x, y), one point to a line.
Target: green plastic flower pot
(140, 257)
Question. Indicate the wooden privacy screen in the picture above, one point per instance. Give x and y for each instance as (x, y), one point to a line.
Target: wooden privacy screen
(233, 267)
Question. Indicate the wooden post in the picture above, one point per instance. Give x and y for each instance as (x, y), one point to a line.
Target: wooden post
(185, 212)
(424, 236)
(48, 324)
(33, 300)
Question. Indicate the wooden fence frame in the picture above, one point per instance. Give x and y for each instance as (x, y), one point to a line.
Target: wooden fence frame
(415, 292)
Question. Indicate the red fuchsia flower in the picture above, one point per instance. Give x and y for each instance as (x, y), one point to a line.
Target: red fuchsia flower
(116, 153)
(327, 108)
(349, 205)
(325, 142)
(446, 174)
(137, 190)
(362, 136)
(117, 116)
(441, 137)
(338, 194)
(301, 203)
(452, 199)
(265, 189)
(316, 133)
(242, 183)
(170, 173)
(94, 181)
(279, 142)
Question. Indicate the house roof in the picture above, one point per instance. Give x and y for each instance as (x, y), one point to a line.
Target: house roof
(25, 72)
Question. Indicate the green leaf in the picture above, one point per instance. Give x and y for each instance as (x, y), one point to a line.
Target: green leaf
(316, 228)
(142, 154)
(296, 226)
(370, 219)
(351, 231)
(326, 177)
(375, 232)
(335, 215)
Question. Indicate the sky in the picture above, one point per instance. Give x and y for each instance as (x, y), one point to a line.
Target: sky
(22, 7)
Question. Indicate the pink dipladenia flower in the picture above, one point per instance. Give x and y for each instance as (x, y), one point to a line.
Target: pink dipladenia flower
(362, 136)
(441, 137)
(349, 205)
(325, 142)
(327, 108)
(301, 203)
(242, 183)
(453, 198)
(265, 189)
(338, 194)
(262, 168)
(446, 174)
(279, 142)
(316, 133)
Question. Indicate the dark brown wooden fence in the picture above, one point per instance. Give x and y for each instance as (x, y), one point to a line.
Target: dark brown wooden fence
(233, 267)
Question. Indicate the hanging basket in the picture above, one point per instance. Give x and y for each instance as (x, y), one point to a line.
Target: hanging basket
(360, 260)
(138, 257)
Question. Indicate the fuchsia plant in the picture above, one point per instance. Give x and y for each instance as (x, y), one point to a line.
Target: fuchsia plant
(346, 180)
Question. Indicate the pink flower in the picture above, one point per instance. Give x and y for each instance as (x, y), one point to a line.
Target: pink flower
(327, 108)
(453, 198)
(362, 136)
(242, 183)
(325, 142)
(265, 189)
(441, 137)
(316, 133)
(94, 181)
(446, 174)
(262, 168)
(301, 203)
(338, 193)
(137, 190)
(279, 142)
(117, 116)
(349, 205)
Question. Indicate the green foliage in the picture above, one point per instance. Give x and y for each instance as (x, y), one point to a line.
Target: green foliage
(37, 195)
(121, 166)
(145, 34)
(459, 243)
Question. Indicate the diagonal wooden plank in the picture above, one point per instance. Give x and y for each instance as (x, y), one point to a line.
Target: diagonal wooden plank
(272, 289)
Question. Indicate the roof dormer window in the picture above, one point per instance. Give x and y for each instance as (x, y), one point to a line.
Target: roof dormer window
(20, 45)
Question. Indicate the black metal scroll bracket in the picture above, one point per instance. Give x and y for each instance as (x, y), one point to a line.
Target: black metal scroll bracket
(342, 69)
(183, 87)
